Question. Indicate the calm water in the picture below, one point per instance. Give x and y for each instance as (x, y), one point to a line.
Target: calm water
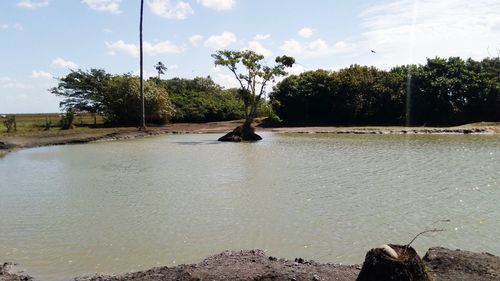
(131, 205)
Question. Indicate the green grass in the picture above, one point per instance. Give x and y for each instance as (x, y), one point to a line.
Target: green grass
(35, 124)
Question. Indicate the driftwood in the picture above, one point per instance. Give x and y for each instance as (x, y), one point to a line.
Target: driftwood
(391, 263)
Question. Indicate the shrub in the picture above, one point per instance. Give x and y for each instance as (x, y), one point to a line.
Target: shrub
(10, 123)
(67, 119)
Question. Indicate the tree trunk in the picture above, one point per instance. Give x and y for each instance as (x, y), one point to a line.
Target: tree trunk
(393, 263)
(143, 117)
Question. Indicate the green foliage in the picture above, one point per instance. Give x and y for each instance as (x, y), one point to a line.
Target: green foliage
(441, 92)
(117, 97)
(67, 119)
(201, 100)
(252, 75)
(10, 123)
(83, 91)
(123, 101)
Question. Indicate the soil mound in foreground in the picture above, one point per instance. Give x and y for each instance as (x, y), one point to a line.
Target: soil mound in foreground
(442, 264)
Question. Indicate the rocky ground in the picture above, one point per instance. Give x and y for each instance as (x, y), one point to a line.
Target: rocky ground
(443, 264)
(448, 265)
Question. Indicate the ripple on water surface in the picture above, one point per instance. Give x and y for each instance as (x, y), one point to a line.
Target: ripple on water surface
(129, 205)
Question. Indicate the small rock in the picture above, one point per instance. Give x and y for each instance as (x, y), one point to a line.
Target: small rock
(299, 260)
(316, 278)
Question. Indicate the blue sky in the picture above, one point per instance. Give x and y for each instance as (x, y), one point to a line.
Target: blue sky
(43, 39)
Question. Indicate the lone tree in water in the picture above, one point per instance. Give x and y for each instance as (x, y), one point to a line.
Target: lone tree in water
(253, 77)
(160, 68)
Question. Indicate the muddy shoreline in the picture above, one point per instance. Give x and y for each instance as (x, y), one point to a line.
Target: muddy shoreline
(11, 143)
(443, 265)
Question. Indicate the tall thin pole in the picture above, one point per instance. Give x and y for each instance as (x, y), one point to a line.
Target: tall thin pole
(143, 115)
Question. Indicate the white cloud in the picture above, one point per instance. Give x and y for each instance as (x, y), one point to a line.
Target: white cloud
(223, 78)
(41, 75)
(316, 48)
(221, 41)
(218, 5)
(292, 47)
(260, 37)
(165, 8)
(195, 39)
(9, 83)
(121, 46)
(165, 47)
(16, 26)
(408, 31)
(62, 63)
(112, 6)
(107, 30)
(257, 47)
(32, 4)
(306, 32)
(297, 69)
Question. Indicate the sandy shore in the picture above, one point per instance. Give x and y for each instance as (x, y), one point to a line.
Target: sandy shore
(12, 142)
(443, 265)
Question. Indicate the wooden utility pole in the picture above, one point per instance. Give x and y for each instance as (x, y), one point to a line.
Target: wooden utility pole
(143, 115)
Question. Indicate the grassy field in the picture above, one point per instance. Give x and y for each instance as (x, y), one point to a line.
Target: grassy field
(47, 124)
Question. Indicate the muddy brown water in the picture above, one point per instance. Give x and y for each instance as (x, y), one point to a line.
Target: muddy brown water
(131, 205)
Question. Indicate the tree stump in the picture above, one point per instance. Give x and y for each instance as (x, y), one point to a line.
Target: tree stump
(393, 262)
(241, 133)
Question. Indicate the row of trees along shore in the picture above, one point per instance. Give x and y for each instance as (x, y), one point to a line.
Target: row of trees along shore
(117, 98)
(441, 92)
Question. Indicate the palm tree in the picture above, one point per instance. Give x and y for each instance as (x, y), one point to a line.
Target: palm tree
(143, 117)
(161, 68)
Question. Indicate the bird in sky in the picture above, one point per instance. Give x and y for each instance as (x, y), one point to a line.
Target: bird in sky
(373, 51)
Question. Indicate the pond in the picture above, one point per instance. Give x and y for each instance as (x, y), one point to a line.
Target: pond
(130, 205)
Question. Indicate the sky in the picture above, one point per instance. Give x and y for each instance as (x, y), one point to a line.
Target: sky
(41, 40)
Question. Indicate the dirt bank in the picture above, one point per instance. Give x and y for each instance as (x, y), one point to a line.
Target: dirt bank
(9, 142)
(448, 265)
(443, 264)
(476, 128)
(12, 142)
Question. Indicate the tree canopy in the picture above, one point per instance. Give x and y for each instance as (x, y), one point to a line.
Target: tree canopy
(160, 68)
(117, 97)
(252, 75)
(441, 92)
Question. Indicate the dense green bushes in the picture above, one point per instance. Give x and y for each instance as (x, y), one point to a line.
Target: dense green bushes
(123, 105)
(117, 97)
(202, 100)
(442, 92)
